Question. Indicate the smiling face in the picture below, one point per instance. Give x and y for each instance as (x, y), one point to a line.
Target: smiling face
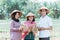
(43, 12)
(17, 15)
(30, 18)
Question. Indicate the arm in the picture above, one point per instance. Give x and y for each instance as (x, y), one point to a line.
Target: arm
(12, 28)
(35, 29)
(50, 28)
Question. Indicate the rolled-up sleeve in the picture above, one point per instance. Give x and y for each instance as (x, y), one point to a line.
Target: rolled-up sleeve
(50, 22)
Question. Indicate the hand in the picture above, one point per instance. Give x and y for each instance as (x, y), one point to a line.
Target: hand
(40, 28)
(28, 31)
(34, 25)
(35, 29)
(30, 28)
(21, 29)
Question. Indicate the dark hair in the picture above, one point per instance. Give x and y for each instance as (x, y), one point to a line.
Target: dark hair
(32, 20)
(13, 15)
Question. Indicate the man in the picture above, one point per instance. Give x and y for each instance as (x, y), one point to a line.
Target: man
(45, 24)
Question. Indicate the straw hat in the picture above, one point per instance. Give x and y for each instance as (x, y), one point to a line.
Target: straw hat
(30, 14)
(16, 11)
(47, 10)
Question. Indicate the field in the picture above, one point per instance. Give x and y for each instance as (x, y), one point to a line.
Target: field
(4, 30)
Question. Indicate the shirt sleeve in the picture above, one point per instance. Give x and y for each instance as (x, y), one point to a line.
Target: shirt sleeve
(12, 27)
(38, 24)
(50, 22)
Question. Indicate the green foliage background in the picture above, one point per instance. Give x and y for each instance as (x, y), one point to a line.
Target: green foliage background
(7, 6)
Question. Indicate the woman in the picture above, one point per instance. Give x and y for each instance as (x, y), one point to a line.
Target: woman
(15, 31)
(45, 24)
(29, 34)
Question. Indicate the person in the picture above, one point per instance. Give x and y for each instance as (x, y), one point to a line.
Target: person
(29, 34)
(45, 24)
(15, 31)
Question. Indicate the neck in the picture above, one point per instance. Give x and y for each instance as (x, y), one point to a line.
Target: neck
(43, 15)
(17, 20)
(30, 20)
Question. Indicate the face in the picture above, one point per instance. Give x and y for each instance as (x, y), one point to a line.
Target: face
(17, 15)
(30, 18)
(43, 12)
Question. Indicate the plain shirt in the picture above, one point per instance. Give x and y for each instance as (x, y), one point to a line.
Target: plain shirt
(45, 22)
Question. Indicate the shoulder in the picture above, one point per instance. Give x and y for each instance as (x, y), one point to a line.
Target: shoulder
(34, 22)
(12, 21)
(25, 22)
(49, 18)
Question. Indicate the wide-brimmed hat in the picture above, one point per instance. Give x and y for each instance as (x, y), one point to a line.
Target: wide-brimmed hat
(47, 10)
(30, 14)
(16, 11)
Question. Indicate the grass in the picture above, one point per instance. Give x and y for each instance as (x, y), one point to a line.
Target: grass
(4, 29)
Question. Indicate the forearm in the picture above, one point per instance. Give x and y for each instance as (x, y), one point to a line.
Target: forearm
(15, 29)
(46, 29)
(50, 28)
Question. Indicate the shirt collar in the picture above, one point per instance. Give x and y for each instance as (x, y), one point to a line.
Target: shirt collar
(44, 16)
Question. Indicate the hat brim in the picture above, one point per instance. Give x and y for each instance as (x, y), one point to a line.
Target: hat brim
(16, 12)
(44, 9)
(31, 16)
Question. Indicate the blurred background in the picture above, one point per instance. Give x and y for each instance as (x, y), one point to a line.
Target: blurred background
(26, 6)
